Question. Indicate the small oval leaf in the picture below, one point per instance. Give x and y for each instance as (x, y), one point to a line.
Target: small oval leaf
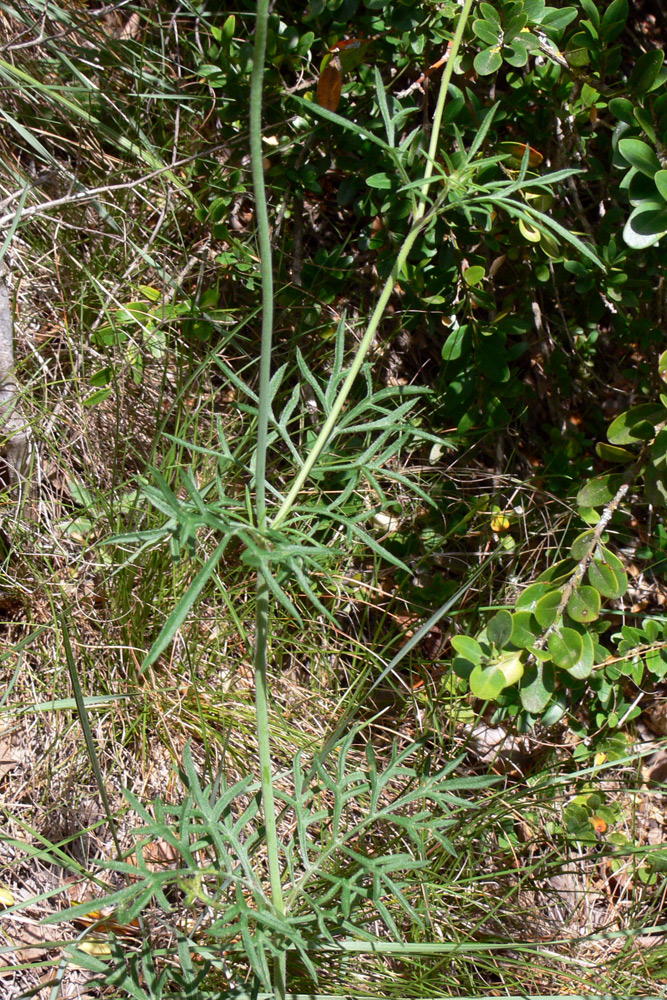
(640, 155)
(468, 647)
(584, 605)
(566, 648)
(527, 600)
(581, 544)
(599, 491)
(602, 577)
(546, 609)
(499, 629)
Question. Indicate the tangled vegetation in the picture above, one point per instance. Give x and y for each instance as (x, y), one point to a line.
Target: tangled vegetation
(333, 566)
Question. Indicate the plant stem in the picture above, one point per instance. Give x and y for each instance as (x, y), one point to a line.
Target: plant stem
(360, 356)
(420, 221)
(440, 104)
(264, 241)
(262, 613)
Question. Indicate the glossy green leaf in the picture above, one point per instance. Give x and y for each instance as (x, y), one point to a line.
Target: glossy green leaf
(455, 344)
(558, 573)
(640, 155)
(584, 664)
(537, 686)
(581, 544)
(499, 629)
(645, 70)
(523, 635)
(612, 453)
(660, 179)
(646, 225)
(487, 31)
(473, 275)
(468, 647)
(584, 605)
(546, 609)
(556, 20)
(599, 491)
(604, 579)
(566, 648)
(659, 450)
(635, 424)
(488, 61)
(527, 599)
(613, 20)
(487, 683)
(516, 55)
(490, 13)
(380, 181)
(591, 11)
(621, 107)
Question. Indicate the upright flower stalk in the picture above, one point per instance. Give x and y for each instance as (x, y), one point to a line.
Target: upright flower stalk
(262, 614)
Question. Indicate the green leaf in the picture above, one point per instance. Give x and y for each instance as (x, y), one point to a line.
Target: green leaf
(621, 107)
(523, 635)
(380, 181)
(468, 647)
(537, 686)
(613, 19)
(557, 20)
(603, 577)
(490, 13)
(558, 573)
(584, 664)
(645, 71)
(659, 450)
(527, 600)
(610, 453)
(487, 31)
(546, 609)
(487, 683)
(473, 275)
(310, 107)
(499, 629)
(646, 226)
(584, 605)
(517, 55)
(581, 544)
(660, 178)
(591, 11)
(599, 491)
(566, 648)
(636, 424)
(640, 155)
(453, 346)
(488, 61)
(182, 610)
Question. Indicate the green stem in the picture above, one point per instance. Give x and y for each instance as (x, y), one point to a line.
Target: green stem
(264, 743)
(262, 613)
(264, 241)
(360, 356)
(440, 104)
(420, 221)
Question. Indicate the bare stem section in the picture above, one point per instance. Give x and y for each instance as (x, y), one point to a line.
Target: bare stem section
(15, 439)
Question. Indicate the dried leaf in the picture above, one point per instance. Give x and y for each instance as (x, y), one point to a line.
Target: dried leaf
(329, 85)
